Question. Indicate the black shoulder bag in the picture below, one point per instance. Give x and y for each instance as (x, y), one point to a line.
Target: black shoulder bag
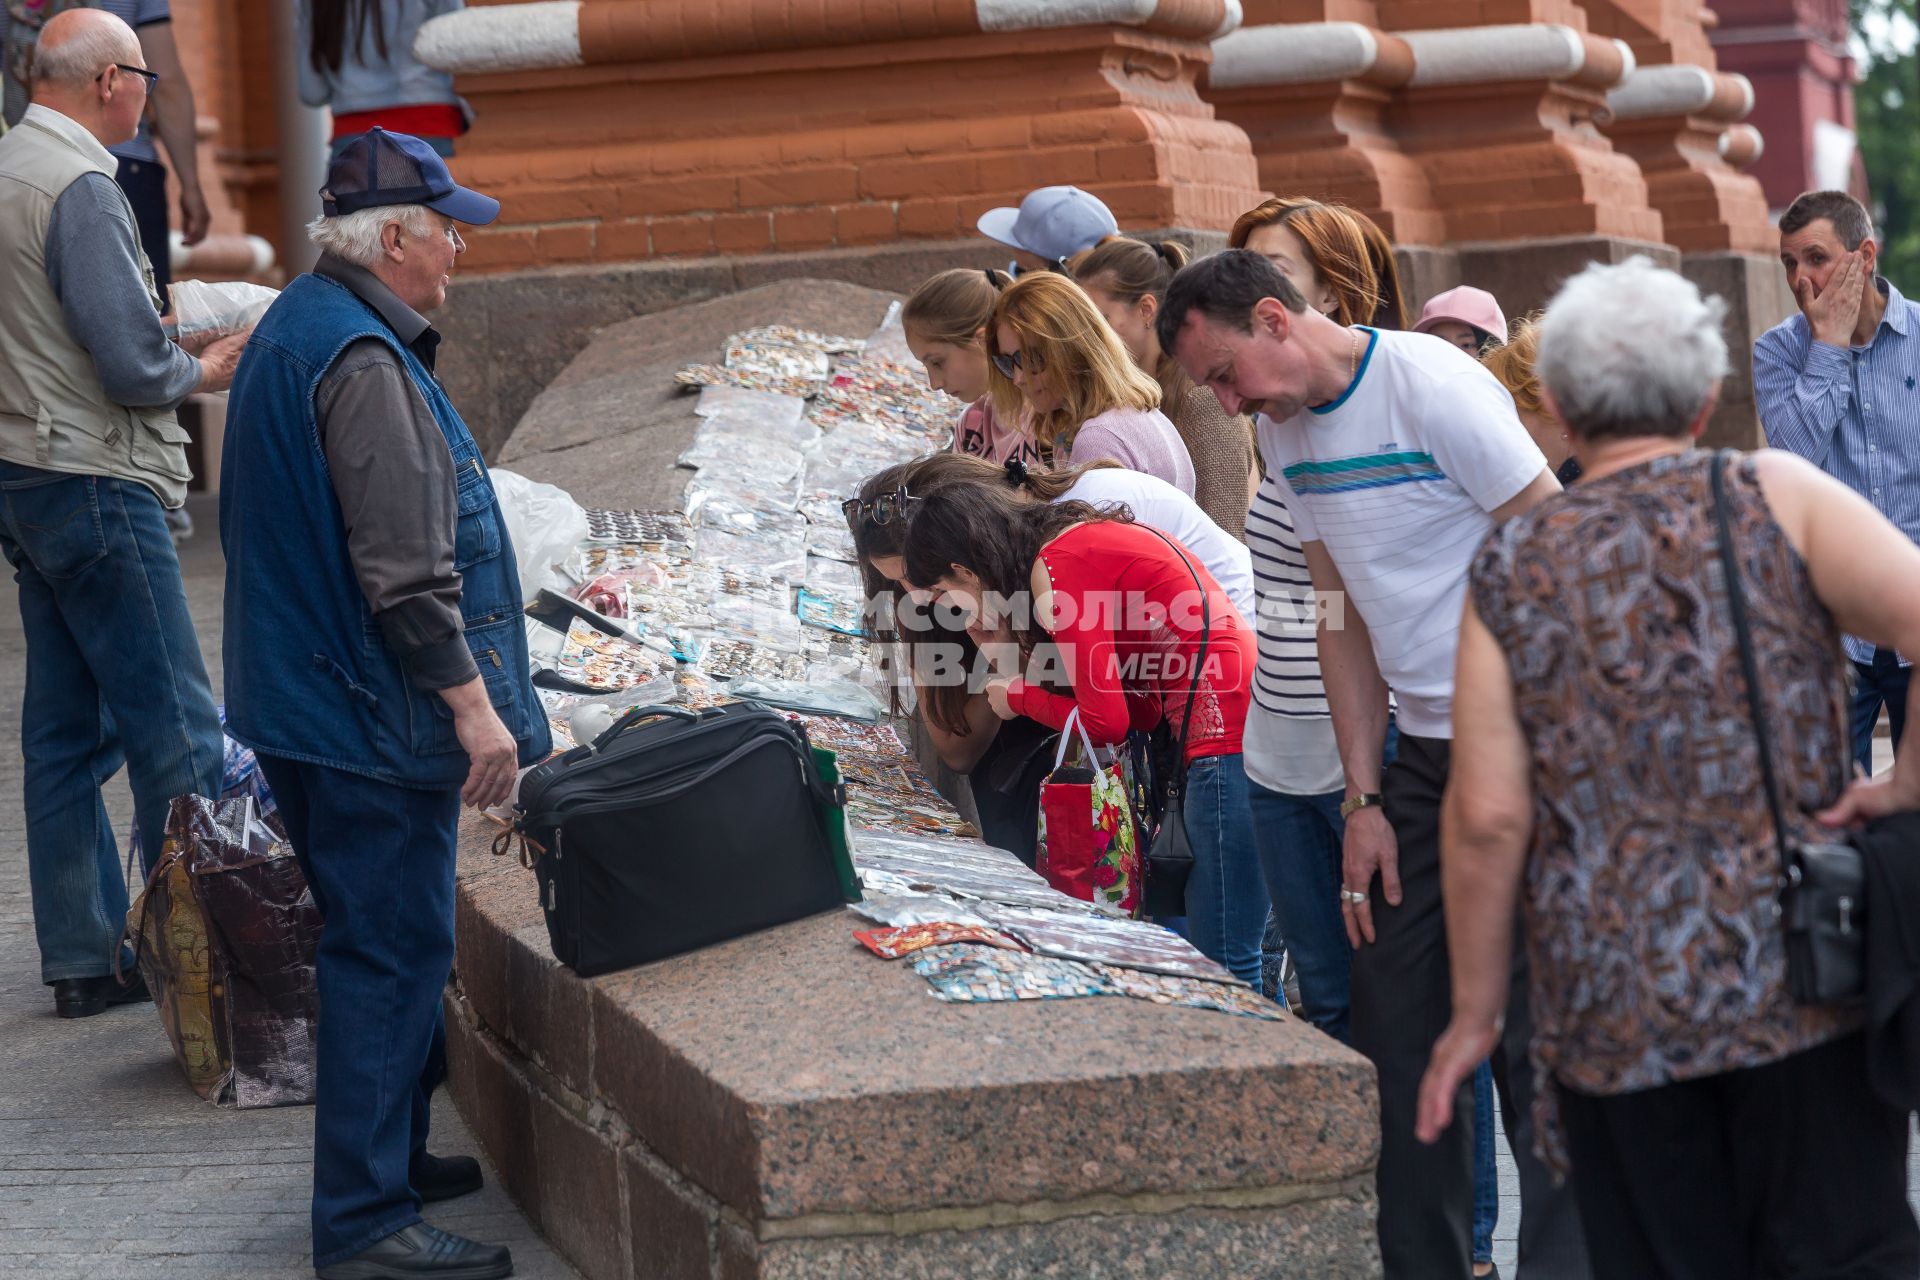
(1823, 885)
(1170, 858)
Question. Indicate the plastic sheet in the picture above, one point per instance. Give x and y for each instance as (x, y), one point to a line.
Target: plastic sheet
(899, 910)
(213, 309)
(225, 934)
(545, 525)
(1131, 944)
(841, 698)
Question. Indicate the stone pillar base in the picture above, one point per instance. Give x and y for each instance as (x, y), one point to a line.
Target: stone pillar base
(1757, 297)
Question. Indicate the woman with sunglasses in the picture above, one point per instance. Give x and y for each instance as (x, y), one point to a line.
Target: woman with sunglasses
(1128, 610)
(946, 325)
(1002, 761)
(1057, 360)
(1127, 281)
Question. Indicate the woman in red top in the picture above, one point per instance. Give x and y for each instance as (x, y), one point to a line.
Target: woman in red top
(1126, 608)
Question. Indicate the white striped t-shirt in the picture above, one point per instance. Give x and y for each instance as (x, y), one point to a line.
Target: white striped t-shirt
(1398, 478)
(1288, 745)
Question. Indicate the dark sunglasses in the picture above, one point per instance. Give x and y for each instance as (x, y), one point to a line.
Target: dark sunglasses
(1008, 364)
(151, 77)
(883, 510)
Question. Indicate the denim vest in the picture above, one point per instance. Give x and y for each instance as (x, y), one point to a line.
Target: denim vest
(309, 675)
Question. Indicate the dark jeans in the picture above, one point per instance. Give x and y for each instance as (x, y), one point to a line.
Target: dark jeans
(1880, 682)
(1486, 1173)
(1402, 1001)
(380, 860)
(114, 673)
(145, 182)
(1795, 1169)
(1299, 838)
(1226, 900)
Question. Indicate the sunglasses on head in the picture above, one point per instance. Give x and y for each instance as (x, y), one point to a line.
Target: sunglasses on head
(883, 510)
(1008, 364)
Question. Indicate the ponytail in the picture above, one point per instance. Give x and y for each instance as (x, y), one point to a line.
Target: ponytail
(1131, 269)
(954, 306)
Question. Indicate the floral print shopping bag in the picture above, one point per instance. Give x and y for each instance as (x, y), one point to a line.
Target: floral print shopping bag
(1089, 848)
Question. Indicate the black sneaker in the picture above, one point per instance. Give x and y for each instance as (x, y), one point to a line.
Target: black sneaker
(84, 997)
(421, 1250)
(445, 1177)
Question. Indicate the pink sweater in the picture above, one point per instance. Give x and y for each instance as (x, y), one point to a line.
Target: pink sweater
(1138, 439)
(983, 435)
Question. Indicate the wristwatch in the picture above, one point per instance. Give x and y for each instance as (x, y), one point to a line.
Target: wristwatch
(1354, 804)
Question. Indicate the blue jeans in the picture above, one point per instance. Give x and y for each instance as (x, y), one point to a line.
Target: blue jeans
(1226, 902)
(380, 861)
(1299, 843)
(1486, 1178)
(114, 674)
(1883, 680)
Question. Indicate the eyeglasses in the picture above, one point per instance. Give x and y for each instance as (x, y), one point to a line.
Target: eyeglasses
(1008, 364)
(151, 78)
(883, 510)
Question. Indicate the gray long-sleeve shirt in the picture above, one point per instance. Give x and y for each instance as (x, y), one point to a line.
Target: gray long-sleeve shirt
(394, 479)
(93, 264)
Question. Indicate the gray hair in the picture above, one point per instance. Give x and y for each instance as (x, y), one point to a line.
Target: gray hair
(1631, 350)
(74, 58)
(356, 236)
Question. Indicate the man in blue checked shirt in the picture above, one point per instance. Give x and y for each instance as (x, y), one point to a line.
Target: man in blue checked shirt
(1836, 385)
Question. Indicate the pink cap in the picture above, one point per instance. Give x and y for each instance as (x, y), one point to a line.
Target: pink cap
(1464, 305)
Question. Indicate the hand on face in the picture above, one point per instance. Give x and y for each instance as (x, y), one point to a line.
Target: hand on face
(1833, 309)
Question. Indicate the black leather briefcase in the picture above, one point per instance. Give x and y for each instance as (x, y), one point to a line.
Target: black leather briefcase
(678, 829)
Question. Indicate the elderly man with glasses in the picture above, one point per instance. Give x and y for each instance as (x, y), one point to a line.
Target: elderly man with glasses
(376, 662)
(90, 459)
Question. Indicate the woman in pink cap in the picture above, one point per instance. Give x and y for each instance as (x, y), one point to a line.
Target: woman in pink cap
(1469, 318)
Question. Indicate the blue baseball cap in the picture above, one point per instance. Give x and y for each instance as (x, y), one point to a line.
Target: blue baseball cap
(380, 168)
(1053, 222)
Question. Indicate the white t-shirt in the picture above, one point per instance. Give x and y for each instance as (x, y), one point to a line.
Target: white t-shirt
(1158, 504)
(1288, 744)
(1397, 479)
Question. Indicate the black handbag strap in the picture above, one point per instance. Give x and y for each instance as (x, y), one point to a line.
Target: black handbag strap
(1737, 602)
(1177, 785)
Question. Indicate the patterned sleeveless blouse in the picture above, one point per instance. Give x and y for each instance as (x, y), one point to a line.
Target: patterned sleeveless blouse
(1652, 930)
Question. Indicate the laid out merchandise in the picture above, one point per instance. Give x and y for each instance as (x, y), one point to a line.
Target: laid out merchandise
(720, 652)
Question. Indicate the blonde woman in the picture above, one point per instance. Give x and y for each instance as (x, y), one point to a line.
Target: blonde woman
(1512, 363)
(1127, 280)
(1055, 359)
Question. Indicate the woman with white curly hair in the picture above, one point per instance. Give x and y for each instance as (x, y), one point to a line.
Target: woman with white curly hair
(1609, 784)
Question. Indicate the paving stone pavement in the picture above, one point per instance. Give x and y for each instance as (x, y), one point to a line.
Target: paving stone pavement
(110, 1168)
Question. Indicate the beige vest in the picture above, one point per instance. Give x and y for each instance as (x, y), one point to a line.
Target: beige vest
(54, 413)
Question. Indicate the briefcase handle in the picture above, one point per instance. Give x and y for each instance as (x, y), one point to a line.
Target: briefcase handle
(638, 714)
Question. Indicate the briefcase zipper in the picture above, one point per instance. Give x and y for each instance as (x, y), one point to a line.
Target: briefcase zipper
(581, 803)
(599, 759)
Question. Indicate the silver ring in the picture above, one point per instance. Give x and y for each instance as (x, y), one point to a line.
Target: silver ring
(1352, 895)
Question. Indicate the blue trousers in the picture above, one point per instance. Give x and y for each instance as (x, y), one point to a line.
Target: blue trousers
(1226, 902)
(114, 674)
(1880, 682)
(380, 859)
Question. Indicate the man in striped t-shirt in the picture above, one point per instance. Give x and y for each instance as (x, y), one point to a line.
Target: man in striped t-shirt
(1396, 454)
(1293, 767)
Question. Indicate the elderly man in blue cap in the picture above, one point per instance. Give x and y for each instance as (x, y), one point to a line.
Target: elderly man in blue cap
(376, 663)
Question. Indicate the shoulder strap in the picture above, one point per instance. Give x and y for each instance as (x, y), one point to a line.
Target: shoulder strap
(1737, 602)
(1206, 632)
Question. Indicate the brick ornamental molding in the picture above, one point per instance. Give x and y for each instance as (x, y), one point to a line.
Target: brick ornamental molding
(627, 130)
